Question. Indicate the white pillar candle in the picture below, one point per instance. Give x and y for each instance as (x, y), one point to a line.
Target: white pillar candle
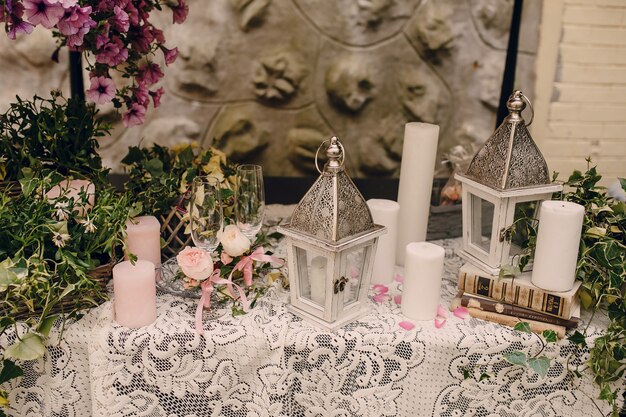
(558, 239)
(385, 213)
(318, 280)
(73, 189)
(423, 272)
(144, 238)
(135, 293)
(416, 182)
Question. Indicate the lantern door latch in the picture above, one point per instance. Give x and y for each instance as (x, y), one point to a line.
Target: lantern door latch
(340, 284)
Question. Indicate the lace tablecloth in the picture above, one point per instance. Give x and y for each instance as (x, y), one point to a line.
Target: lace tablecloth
(271, 363)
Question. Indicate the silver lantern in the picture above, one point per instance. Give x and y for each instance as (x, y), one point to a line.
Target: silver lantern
(331, 246)
(504, 185)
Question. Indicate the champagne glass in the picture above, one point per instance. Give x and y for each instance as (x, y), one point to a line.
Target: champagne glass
(205, 212)
(249, 200)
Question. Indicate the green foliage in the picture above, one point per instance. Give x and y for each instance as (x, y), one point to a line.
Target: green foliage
(54, 134)
(160, 177)
(522, 326)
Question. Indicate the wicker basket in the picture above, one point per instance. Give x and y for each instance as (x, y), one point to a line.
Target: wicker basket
(173, 232)
(11, 188)
(101, 275)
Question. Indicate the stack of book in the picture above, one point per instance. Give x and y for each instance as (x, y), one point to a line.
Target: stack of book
(510, 300)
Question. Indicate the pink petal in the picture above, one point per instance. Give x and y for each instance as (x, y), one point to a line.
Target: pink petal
(398, 278)
(406, 325)
(461, 312)
(381, 289)
(379, 298)
(442, 312)
(397, 299)
(439, 322)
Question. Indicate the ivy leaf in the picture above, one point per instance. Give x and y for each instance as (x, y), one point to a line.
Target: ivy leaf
(484, 376)
(522, 326)
(10, 370)
(549, 335)
(608, 395)
(578, 338)
(516, 358)
(466, 373)
(28, 348)
(46, 324)
(540, 365)
(155, 167)
(508, 271)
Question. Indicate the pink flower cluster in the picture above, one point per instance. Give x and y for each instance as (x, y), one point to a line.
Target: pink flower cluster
(118, 33)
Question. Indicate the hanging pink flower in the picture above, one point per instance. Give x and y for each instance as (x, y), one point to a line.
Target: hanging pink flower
(140, 93)
(158, 35)
(120, 20)
(75, 19)
(44, 13)
(180, 12)
(66, 4)
(101, 90)
(135, 115)
(113, 53)
(19, 27)
(170, 55)
(156, 96)
(150, 74)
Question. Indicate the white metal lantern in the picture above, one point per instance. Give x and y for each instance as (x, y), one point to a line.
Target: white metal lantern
(331, 246)
(505, 183)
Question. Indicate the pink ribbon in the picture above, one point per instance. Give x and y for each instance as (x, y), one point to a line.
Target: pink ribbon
(247, 262)
(245, 265)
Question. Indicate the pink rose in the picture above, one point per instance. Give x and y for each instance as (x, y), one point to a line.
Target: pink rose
(195, 263)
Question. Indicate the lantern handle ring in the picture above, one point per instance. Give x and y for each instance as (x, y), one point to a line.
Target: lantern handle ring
(532, 110)
(343, 153)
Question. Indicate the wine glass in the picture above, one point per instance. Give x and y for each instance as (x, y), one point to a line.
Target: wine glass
(205, 212)
(249, 200)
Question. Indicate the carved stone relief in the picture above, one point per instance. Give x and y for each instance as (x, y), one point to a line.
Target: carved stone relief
(268, 80)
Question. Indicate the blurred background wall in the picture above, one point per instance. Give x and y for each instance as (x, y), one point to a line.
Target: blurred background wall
(266, 80)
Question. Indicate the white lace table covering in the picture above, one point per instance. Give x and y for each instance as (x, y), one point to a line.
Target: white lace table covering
(270, 363)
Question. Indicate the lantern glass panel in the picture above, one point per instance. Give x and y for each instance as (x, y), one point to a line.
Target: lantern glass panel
(353, 270)
(481, 223)
(312, 270)
(523, 219)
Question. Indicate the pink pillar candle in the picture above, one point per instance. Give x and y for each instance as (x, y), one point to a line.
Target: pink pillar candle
(72, 189)
(135, 293)
(144, 238)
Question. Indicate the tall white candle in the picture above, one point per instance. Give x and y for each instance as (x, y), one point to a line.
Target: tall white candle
(558, 239)
(385, 213)
(318, 280)
(144, 238)
(423, 272)
(416, 182)
(135, 293)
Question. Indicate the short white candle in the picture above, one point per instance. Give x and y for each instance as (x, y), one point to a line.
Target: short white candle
(558, 239)
(73, 189)
(423, 272)
(416, 183)
(135, 293)
(385, 213)
(144, 238)
(318, 280)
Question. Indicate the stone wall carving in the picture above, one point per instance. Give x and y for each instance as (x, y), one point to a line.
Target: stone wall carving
(268, 80)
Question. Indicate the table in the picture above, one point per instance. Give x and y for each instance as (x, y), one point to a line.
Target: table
(271, 363)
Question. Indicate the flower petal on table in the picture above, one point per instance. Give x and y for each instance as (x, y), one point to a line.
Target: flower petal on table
(442, 312)
(439, 322)
(397, 299)
(380, 289)
(379, 298)
(398, 278)
(461, 312)
(406, 325)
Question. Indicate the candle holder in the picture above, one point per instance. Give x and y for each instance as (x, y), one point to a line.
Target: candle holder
(331, 243)
(504, 184)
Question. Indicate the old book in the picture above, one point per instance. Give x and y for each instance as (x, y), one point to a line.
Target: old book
(519, 291)
(494, 306)
(535, 326)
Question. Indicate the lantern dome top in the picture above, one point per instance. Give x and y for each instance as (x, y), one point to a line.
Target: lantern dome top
(333, 210)
(510, 159)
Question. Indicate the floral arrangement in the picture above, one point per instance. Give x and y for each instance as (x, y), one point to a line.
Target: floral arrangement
(51, 135)
(160, 176)
(112, 35)
(231, 277)
(52, 238)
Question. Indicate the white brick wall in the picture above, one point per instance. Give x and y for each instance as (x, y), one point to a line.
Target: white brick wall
(581, 86)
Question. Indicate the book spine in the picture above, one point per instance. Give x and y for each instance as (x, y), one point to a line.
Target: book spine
(535, 326)
(512, 310)
(509, 292)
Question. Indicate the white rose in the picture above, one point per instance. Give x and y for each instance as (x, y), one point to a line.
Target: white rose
(233, 241)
